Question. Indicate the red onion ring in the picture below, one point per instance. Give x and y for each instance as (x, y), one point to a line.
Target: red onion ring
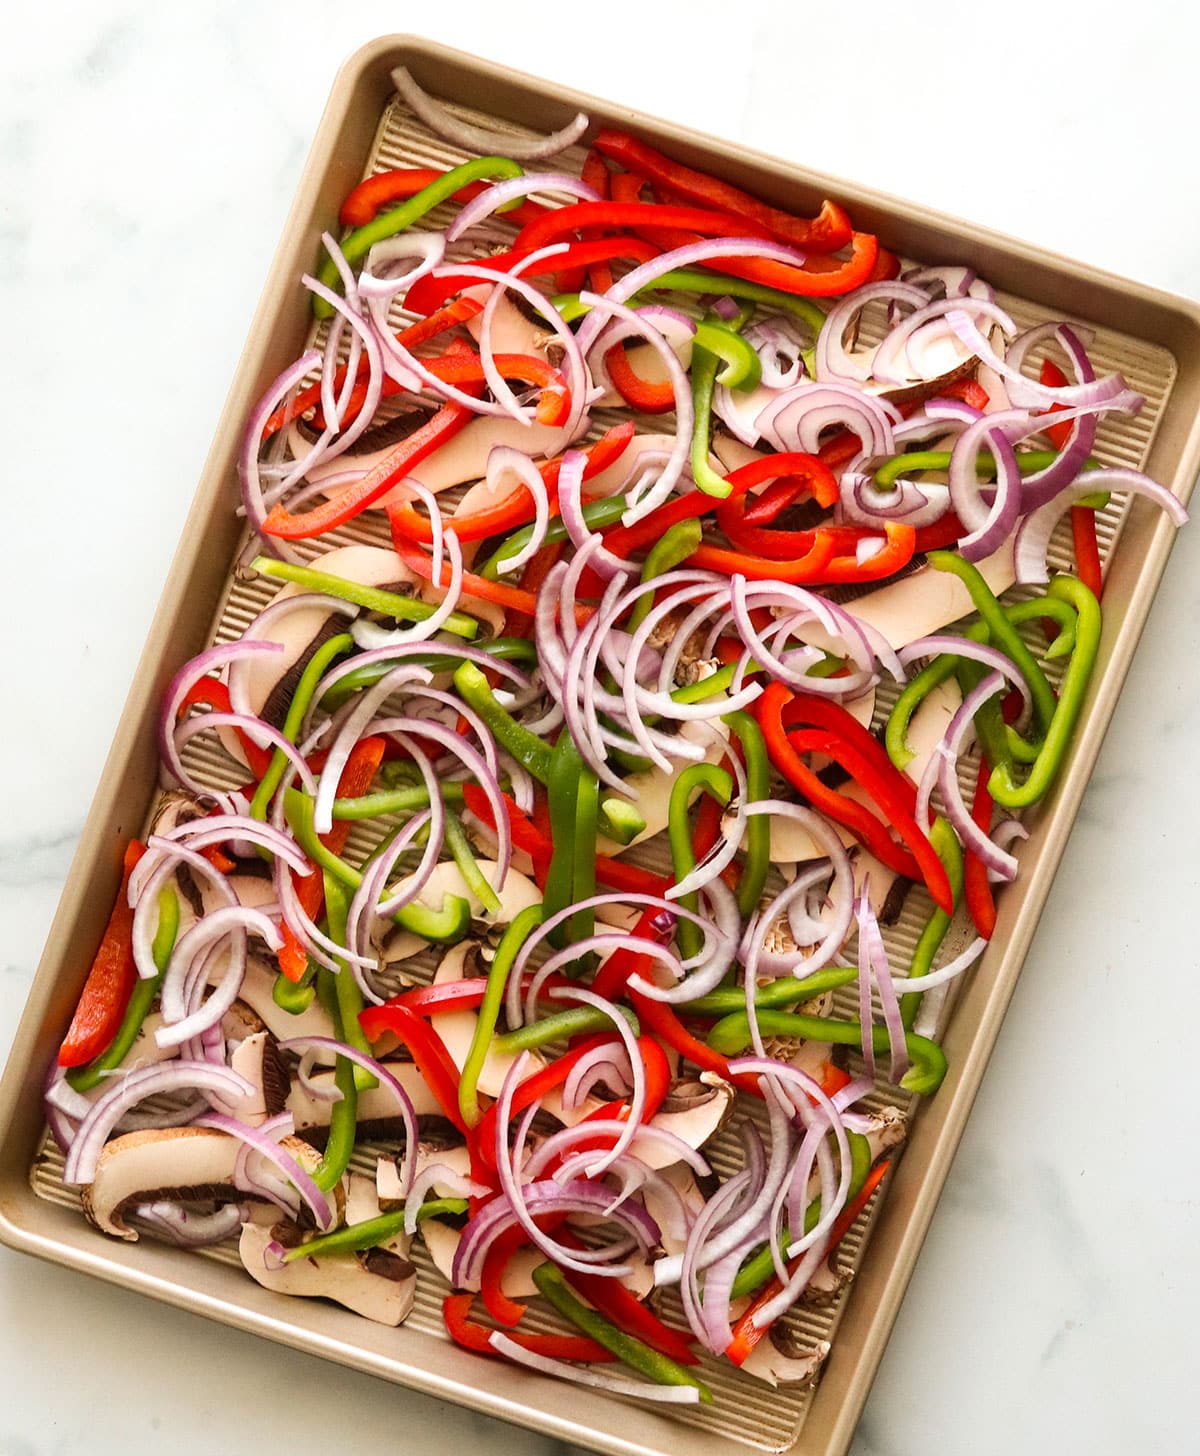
(443, 123)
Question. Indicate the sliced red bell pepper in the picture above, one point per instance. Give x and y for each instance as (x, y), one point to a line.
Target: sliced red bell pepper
(427, 1048)
(745, 1335)
(517, 509)
(502, 1309)
(659, 1018)
(355, 499)
(977, 888)
(640, 394)
(941, 534)
(632, 215)
(456, 1311)
(535, 572)
(808, 568)
(374, 193)
(825, 233)
(887, 266)
(211, 693)
(596, 174)
(110, 981)
(430, 292)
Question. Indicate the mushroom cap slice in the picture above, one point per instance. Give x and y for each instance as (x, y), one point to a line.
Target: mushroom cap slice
(709, 1100)
(377, 1113)
(791, 1366)
(457, 1028)
(256, 992)
(258, 1060)
(180, 1163)
(377, 1284)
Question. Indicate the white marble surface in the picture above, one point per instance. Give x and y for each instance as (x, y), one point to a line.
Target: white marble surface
(148, 153)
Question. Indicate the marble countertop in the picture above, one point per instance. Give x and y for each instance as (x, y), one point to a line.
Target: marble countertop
(148, 154)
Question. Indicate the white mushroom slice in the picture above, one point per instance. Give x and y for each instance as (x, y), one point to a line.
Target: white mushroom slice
(256, 992)
(457, 1028)
(791, 843)
(569, 1116)
(733, 453)
(683, 1180)
(363, 1204)
(627, 468)
(513, 332)
(389, 1189)
(377, 1284)
(259, 1062)
(795, 1366)
(253, 891)
(376, 1106)
(181, 1163)
(928, 725)
(710, 1101)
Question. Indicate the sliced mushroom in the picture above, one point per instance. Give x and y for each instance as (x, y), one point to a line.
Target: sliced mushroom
(377, 1284)
(257, 1059)
(780, 1360)
(257, 994)
(181, 1163)
(457, 1028)
(928, 725)
(441, 1239)
(695, 1110)
(377, 1115)
(388, 1187)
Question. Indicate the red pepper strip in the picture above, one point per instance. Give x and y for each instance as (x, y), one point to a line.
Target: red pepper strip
(977, 888)
(447, 997)
(517, 509)
(356, 498)
(745, 1335)
(659, 1018)
(768, 710)
(525, 833)
(427, 1048)
(611, 979)
(941, 534)
(970, 391)
(887, 266)
(626, 1311)
(1083, 520)
(209, 692)
(638, 393)
(632, 215)
(900, 542)
(532, 1089)
(502, 1309)
(373, 193)
(825, 233)
(810, 567)
(810, 711)
(454, 313)
(537, 569)
(456, 1309)
(883, 789)
(596, 174)
(361, 767)
(430, 292)
(476, 586)
(840, 449)
(819, 278)
(110, 981)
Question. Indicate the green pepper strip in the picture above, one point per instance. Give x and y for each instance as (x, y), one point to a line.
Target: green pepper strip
(349, 996)
(584, 837)
(562, 792)
(619, 819)
(373, 598)
(358, 244)
(295, 997)
(508, 649)
(676, 544)
(732, 1033)
(393, 801)
(514, 937)
(606, 512)
(351, 1238)
(757, 864)
(343, 1117)
(468, 866)
(760, 1267)
(1028, 463)
(659, 1368)
(945, 665)
(743, 367)
(945, 841)
(559, 1027)
(1001, 631)
(1004, 790)
(704, 376)
(83, 1079)
(719, 783)
(784, 992)
(446, 926)
(302, 698)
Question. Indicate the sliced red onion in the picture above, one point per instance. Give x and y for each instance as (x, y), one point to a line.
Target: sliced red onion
(873, 967)
(1033, 536)
(637, 1097)
(602, 1066)
(974, 840)
(512, 188)
(188, 1229)
(258, 731)
(570, 501)
(997, 524)
(944, 973)
(1030, 392)
(377, 279)
(251, 441)
(443, 123)
(264, 1144)
(502, 458)
(563, 1142)
(832, 360)
(188, 675)
(144, 897)
(233, 921)
(677, 328)
(261, 629)
(796, 417)
(991, 657)
(915, 503)
(326, 447)
(895, 362)
(398, 653)
(135, 1087)
(441, 1173)
(585, 1375)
